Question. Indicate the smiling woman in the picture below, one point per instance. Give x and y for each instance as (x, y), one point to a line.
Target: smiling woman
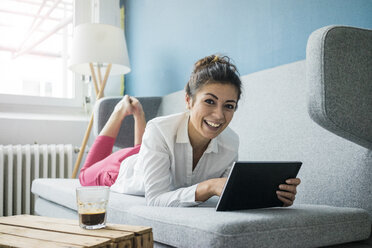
(178, 160)
(211, 110)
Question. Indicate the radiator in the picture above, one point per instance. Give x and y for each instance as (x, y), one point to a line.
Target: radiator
(20, 164)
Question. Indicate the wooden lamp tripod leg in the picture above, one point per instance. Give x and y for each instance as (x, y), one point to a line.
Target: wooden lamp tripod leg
(89, 128)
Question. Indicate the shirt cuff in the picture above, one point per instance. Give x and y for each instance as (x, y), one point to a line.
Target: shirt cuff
(188, 199)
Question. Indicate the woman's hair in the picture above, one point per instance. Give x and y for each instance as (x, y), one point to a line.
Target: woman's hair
(213, 68)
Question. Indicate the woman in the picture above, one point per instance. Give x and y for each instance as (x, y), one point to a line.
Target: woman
(181, 159)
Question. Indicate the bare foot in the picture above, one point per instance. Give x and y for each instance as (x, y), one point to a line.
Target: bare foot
(137, 109)
(124, 107)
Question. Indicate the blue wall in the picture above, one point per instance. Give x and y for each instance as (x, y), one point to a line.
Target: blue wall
(166, 37)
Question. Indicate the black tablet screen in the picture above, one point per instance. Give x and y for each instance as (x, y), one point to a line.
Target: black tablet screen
(253, 185)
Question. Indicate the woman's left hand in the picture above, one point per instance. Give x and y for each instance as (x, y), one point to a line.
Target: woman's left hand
(287, 192)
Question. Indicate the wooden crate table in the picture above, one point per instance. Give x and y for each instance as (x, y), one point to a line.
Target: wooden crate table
(38, 231)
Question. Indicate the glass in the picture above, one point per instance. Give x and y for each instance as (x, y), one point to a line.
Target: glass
(92, 204)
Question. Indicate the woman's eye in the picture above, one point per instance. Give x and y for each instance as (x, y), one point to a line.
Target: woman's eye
(209, 101)
(230, 106)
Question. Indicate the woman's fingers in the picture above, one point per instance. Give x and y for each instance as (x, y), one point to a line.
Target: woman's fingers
(293, 181)
(287, 195)
(286, 202)
(287, 192)
(289, 188)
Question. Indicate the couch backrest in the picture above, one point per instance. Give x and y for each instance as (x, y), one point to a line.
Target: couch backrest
(339, 73)
(273, 124)
(105, 106)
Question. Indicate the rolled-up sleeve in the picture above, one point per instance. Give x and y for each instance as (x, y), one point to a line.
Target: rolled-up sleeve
(156, 161)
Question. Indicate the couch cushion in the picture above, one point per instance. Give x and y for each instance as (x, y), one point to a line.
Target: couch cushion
(51, 209)
(297, 226)
(60, 191)
(63, 192)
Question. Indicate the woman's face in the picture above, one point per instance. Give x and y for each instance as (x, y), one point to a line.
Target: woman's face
(211, 111)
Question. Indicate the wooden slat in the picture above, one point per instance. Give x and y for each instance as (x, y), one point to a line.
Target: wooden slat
(41, 229)
(122, 244)
(144, 241)
(45, 219)
(126, 228)
(148, 240)
(54, 236)
(7, 240)
(115, 236)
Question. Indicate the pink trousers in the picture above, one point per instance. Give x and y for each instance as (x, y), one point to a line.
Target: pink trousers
(101, 166)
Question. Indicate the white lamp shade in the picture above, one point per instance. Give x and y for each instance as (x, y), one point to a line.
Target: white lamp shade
(99, 43)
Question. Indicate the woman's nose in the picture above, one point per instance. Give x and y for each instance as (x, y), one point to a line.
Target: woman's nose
(218, 112)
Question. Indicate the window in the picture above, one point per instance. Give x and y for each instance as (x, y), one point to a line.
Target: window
(36, 37)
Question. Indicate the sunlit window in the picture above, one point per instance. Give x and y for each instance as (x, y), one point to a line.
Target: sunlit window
(35, 42)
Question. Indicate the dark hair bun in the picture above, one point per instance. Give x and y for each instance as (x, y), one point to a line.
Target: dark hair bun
(213, 59)
(213, 68)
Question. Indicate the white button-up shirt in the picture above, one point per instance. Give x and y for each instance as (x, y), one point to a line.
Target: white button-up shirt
(162, 170)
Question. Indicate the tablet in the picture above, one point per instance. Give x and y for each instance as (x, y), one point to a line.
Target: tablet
(253, 185)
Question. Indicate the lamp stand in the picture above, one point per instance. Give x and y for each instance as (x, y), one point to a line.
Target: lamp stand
(99, 93)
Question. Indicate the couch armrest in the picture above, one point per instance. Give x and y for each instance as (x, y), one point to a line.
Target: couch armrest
(339, 73)
(105, 106)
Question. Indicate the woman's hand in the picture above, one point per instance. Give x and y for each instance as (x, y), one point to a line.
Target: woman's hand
(288, 191)
(209, 188)
(218, 184)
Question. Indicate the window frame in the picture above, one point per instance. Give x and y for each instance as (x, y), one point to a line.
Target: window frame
(17, 102)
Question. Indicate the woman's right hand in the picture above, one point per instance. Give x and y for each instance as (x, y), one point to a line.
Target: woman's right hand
(209, 188)
(218, 184)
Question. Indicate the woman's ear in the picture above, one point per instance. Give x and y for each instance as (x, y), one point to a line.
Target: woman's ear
(188, 101)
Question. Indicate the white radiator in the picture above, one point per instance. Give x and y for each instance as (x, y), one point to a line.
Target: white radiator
(20, 164)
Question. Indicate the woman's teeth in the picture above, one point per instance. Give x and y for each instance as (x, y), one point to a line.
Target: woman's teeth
(213, 124)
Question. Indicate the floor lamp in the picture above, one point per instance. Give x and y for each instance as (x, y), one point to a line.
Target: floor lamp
(94, 47)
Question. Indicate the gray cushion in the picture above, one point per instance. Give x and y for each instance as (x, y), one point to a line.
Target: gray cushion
(63, 192)
(339, 72)
(298, 226)
(60, 191)
(204, 227)
(104, 108)
(51, 209)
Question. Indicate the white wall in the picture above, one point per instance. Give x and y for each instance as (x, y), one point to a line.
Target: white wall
(23, 130)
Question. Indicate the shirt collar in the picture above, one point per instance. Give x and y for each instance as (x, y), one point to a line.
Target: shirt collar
(183, 135)
(213, 146)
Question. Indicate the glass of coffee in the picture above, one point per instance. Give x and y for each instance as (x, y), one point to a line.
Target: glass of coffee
(92, 203)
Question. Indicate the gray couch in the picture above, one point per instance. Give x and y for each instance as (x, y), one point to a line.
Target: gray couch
(324, 121)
